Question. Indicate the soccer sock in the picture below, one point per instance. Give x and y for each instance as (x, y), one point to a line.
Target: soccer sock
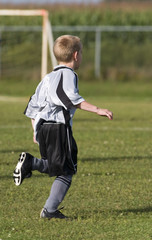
(40, 164)
(58, 191)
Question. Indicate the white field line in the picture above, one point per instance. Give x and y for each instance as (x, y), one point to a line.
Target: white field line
(13, 126)
(119, 129)
(13, 99)
(147, 129)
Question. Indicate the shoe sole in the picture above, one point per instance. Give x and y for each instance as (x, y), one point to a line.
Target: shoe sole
(17, 175)
(41, 216)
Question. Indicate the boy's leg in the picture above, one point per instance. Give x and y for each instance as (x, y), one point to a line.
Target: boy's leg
(40, 165)
(58, 191)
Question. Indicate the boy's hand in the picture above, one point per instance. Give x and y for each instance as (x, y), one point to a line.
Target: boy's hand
(32, 121)
(34, 140)
(92, 108)
(105, 112)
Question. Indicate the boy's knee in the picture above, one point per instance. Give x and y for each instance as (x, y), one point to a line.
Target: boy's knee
(65, 179)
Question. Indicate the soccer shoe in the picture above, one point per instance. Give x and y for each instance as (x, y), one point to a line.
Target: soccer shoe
(23, 168)
(57, 214)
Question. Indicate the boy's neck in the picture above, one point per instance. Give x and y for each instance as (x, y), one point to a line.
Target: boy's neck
(70, 64)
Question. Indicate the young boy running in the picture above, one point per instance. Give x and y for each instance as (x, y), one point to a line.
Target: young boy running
(51, 110)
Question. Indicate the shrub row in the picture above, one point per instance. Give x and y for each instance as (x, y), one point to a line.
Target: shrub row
(101, 14)
(123, 56)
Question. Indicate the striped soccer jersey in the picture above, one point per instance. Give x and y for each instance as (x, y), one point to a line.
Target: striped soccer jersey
(55, 98)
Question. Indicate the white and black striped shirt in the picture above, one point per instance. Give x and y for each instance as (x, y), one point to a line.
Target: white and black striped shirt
(55, 97)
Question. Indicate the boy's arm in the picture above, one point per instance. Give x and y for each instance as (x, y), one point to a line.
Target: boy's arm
(91, 108)
(32, 122)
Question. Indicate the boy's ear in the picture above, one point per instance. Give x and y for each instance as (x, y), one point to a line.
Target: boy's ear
(75, 56)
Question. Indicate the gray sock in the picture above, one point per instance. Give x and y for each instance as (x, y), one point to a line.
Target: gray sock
(40, 164)
(59, 189)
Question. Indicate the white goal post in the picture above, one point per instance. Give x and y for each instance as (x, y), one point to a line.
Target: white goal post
(47, 35)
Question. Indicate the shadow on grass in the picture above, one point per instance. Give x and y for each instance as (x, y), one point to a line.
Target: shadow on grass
(135, 210)
(39, 175)
(6, 176)
(13, 151)
(115, 158)
(111, 212)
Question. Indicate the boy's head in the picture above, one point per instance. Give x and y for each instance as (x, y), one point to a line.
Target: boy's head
(65, 46)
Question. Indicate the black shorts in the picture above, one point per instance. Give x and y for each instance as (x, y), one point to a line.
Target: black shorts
(58, 146)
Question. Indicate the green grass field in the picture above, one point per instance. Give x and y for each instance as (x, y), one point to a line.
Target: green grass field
(111, 195)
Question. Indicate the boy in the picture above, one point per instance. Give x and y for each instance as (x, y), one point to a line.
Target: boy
(51, 110)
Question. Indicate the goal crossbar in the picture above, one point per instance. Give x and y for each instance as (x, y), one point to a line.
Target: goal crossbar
(20, 12)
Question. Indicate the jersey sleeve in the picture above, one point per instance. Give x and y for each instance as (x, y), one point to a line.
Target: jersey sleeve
(67, 90)
(37, 101)
(32, 108)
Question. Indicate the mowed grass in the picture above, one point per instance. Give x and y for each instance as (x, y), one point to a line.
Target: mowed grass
(110, 196)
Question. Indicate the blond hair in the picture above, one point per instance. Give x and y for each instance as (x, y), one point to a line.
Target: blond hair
(65, 46)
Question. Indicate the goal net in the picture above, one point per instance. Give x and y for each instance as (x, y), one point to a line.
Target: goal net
(25, 49)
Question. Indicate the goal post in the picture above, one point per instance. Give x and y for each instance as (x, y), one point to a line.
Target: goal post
(47, 35)
(50, 42)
